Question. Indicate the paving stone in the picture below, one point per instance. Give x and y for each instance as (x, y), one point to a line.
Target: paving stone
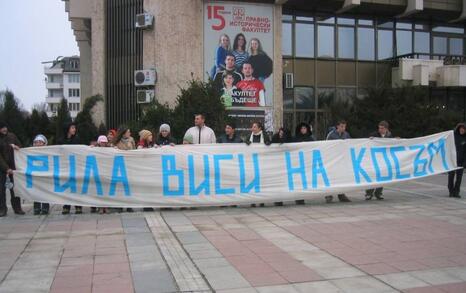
(362, 285)
(317, 287)
(225, 278)
(153, 281)
(402, 281)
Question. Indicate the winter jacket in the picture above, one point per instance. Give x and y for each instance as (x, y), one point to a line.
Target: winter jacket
(299, 137)
(165, 140)
(7, 150)
(460, 144)
(225, 139)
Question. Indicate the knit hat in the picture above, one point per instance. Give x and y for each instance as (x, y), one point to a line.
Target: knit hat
(144, 134)
(164, 127)
(40, 137)
(101, 139)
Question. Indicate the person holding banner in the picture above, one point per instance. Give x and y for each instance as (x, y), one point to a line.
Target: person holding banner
(303, 133)
(239, 51)
(258, 136)
(8, 143)
(199, 133)
(124, 141)
(260, 61)
(382, 132)
(165, 137)
(338, 133)
(229, 136)
(224, 47)
(40, 208)
(460, 144)
(70, 137)
(146, 139)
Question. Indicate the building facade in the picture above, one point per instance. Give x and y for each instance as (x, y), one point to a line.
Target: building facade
(323, 51)
(63, 81)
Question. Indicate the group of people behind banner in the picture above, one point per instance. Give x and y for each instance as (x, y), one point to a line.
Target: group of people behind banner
(200, 133)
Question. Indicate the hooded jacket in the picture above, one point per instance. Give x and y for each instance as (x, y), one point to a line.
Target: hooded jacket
(460, 144)
(74, 139)
(299, 137)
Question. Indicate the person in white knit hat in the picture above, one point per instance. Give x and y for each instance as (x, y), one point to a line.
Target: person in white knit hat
(40, 208)
(164, 137)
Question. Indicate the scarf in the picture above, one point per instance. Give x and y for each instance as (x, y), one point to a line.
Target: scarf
(251, 139)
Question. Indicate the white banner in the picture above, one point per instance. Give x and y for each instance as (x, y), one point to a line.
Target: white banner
(222, 174)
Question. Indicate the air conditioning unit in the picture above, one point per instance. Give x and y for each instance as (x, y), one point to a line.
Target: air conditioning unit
(146, 77)
(288, 80)
(144, 20)
(145, 96)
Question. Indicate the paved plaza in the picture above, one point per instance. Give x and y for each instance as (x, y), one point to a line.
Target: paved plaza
(413, 241)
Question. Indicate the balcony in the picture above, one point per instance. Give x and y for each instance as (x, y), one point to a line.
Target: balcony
(53, 85)
(421, 69)
(49, 70)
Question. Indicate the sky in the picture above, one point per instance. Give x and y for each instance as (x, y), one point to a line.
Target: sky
(32, 31)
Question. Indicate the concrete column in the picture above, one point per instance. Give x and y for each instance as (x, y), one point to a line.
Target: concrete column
(98, 37)
(175, 45)
(277, 69)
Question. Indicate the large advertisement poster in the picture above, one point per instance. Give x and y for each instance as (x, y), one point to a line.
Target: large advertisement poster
(238, 52)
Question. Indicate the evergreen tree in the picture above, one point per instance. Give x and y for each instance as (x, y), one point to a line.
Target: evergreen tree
(61, 120)
(86, 128)
(14, 116)
(198, 98)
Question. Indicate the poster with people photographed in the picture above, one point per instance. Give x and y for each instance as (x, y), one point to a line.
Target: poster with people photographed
(238, 52)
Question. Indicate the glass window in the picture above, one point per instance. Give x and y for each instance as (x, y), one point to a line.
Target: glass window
(456, 46)
(404, 25)
(385, 24)
(365, 22)
(385, 44)
(419, 26)
(288, 120)
(448, 29)
(346, 42)
(287, 17)
(325, 97)
(366, 46)
(421, 42)
(288, 99)
(304, 18)
(346, 94)
(304, 40)
(440, 45)
(307, 117)
(325, 19)
(326, 43)
(346, 21)
(304, 97)
(287, 49)
(404, 42)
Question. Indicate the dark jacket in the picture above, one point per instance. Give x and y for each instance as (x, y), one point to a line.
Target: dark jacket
(335, 135)
(299, 137)
(4, 155)
(256, 139)
(7, 151)
(284, 139)
(377, 134)
(460, 144)
(225, 139)
(164, 140)
(74, 139)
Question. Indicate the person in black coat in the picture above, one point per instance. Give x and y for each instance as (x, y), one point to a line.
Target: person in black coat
(165, 137)
(258, 135)
(230, 135)
(382, 132)
(70, 137)
(303, 133)
(460, 144)
(281, 136)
